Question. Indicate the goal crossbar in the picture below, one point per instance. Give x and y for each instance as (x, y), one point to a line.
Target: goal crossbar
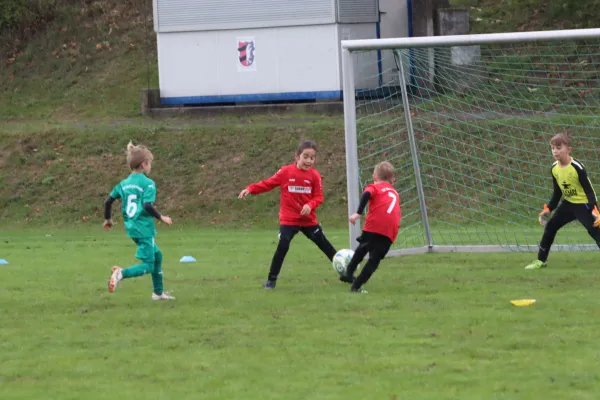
(469, 40)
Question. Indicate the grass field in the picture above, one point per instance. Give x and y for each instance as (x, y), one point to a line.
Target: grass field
(434, 326)
(431, 327)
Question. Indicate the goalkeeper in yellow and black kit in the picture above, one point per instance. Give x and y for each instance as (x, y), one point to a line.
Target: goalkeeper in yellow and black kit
(578, 199)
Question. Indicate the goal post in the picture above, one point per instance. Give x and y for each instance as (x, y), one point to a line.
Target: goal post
(466, 121)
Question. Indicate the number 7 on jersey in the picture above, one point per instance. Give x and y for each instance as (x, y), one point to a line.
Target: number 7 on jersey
(394, 197)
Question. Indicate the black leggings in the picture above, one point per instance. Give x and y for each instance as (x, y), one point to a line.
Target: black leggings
(565, 213)
(286, 234)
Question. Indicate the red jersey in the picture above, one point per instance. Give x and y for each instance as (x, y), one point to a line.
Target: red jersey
(298, 187)
(384, 210)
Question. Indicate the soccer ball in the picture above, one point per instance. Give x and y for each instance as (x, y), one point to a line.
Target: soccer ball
(341, 260)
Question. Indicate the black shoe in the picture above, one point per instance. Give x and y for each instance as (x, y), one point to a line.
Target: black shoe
(270, 284)
(359, 290)
(347, 279)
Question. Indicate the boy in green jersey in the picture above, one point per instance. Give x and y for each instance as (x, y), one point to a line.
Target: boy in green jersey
(572, 185)
(138, 193)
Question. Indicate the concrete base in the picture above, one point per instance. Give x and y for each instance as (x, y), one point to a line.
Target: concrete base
(151, 107)
(150, 101)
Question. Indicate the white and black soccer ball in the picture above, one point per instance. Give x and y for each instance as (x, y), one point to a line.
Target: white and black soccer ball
(341, 260)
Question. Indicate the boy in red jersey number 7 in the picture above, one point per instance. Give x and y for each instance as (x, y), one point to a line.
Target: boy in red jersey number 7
(301, 194)
(381, 226)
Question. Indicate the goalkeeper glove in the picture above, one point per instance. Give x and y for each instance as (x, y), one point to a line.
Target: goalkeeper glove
(596, 215)
(544, 216)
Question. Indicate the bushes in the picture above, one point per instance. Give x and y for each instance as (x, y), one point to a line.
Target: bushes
(10, 14)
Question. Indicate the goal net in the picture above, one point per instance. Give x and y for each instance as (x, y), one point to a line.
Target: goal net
(466, 122)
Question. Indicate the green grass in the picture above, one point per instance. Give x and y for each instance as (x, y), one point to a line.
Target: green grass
(475, 173)
(490, 16)
(90, 61)
(431, 327)
(46, 169)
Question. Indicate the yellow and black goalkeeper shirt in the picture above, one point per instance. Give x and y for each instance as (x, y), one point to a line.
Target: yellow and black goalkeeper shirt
(571, 183)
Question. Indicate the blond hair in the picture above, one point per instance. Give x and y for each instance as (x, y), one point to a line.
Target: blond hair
(136, 155)
(384, 171)
(560, 140)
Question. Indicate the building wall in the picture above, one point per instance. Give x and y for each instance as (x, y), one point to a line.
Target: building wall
(210, 15)
(289, 63)
(357, 11)
(207, 15)
(365, 66)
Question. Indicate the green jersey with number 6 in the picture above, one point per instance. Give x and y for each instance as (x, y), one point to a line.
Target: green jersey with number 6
(134, 191)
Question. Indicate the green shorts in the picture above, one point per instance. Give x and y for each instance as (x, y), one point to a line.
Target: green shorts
(147, 249)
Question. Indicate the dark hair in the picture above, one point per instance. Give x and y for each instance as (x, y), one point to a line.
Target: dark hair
(561, 139)
(307, 144)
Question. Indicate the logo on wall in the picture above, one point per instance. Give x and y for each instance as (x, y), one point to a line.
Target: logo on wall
(246, 56)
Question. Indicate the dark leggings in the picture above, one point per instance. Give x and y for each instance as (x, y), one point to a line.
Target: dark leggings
(377, 246)
(565, 213)
(286, 234)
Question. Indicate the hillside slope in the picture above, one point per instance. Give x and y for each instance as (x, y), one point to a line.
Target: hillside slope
(490, 16)
(89, 61)
(61, 176)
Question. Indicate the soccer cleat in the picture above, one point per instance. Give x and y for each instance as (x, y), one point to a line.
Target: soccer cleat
(359, 290)
(270, 284)
(537, 264)
(115, 278)
(347, 279)
(163, 296)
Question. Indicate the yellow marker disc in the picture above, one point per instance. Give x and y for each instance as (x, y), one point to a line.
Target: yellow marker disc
(523, 302)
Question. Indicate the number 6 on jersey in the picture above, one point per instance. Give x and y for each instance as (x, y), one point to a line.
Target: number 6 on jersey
(132, 206)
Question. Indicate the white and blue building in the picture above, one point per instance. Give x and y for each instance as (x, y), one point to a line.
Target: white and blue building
(240, 51)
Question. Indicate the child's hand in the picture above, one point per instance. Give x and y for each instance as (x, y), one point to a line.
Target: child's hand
(305, 210)
(108, 224)
(353, 218)
(243, 194)
(166, 220)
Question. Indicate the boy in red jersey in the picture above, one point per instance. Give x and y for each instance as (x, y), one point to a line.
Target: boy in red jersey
(381, 226)
(301, 194)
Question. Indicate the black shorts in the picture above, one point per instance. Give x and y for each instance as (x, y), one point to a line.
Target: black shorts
(289, 231)
(374, 243)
